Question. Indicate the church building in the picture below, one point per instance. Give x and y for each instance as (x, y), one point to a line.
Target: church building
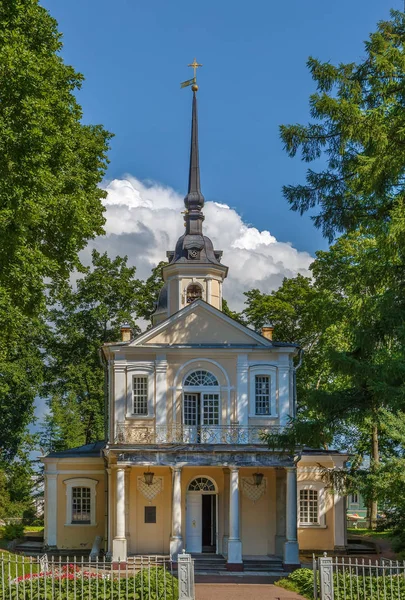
(184, 464)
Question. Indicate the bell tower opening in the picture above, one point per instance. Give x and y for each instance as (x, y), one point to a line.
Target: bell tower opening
(194, 292)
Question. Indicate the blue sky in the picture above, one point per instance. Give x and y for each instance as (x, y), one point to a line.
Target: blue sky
(134, 55)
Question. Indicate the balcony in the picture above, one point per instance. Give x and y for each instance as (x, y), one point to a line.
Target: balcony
(130, 434)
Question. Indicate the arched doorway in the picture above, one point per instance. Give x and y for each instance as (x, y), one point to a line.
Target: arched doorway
(202, 516)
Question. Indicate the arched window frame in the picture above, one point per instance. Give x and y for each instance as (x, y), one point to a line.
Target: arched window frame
(190, 373)
(212, 481)
(319, 487)
(270, 371)
(85, 482)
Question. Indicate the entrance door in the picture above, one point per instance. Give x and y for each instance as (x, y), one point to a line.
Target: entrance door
(209, 517)
(194, 523)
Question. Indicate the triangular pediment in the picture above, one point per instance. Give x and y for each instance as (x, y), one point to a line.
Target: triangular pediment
(200, 324)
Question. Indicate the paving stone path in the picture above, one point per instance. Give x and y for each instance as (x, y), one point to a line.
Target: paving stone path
(243, 591)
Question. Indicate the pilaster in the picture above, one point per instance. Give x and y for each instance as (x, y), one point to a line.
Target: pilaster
(242, 407)
(161, 389)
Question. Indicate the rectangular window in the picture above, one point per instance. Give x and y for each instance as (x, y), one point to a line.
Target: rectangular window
(140, 383)
(262, 395)
(150, 514)
(210, 409)
(354, 498)
(308, 507)
(81, 505)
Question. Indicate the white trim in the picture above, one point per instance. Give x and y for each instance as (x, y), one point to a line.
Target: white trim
(78, 472)
(151, 333)
(202, 476)
(145, 369)
(81, 482)
(270, 371)
(177, 387)
(319, 487)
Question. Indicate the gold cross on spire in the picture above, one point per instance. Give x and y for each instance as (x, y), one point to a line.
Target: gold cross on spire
(193, 81)
(195, 66)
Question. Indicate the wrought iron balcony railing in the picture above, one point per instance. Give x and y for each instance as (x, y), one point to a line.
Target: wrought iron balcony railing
(127, 433)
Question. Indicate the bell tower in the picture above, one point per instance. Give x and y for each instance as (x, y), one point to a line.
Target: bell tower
(194, 270)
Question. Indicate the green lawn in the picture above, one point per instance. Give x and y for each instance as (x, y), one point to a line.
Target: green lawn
(364, 532)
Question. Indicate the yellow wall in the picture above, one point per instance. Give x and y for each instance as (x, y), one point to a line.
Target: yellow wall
(190, 329)
(258, 518)
(79, 536)
(317, 538)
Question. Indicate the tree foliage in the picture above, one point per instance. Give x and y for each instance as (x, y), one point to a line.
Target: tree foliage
(50, 201)
(358, 129)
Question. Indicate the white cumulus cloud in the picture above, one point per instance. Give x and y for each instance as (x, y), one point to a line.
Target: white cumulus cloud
(144, 220)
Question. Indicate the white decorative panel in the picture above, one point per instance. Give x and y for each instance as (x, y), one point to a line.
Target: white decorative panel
(150, 491)
(251, 490)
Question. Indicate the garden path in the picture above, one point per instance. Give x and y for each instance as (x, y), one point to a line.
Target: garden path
(243, 591)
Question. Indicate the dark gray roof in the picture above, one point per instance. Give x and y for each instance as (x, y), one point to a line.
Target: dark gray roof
(200, 243)
(88, 450)
(161, 304)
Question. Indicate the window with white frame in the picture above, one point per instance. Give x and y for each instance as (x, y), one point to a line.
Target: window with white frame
(81, 501)
(81, 505)
(262, 395)
(140, 395)
(309, 507)
(262, 391)
(354, 498)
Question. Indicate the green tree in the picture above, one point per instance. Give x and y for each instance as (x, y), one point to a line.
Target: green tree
(50, 201)
(85, 316)
(359, 120)
(301, 313)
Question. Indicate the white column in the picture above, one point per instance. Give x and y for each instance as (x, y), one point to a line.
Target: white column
(242, 408)
(340, 522)
(291, 556)
(284, 394)
(51, 509)
(280, 510)
(176, 540)
(120, 391)
(226, 513)
(209, 290)
(120, 541)
(161, 392)
(109, 517)
(234, 543)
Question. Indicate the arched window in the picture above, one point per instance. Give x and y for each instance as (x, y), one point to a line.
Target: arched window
(194, 292)
(201, 484)
(203, 378)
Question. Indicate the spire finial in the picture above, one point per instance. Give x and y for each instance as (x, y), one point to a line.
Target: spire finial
(193, 82)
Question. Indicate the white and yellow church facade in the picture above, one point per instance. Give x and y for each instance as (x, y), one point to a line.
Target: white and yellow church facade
(184, 464)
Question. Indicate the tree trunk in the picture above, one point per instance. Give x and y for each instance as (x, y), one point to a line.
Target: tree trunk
(375, 456)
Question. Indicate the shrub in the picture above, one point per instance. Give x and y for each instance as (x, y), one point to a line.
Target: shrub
(300, 581)
(73, 582)
(13, 531)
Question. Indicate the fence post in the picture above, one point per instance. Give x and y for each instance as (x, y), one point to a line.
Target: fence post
(186, 577)
(314, 570)
(326, 577)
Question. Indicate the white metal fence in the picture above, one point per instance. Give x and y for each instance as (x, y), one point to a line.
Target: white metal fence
(67, 578)
(342, 578)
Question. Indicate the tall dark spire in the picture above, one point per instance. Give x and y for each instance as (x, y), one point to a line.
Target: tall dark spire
(194, 201)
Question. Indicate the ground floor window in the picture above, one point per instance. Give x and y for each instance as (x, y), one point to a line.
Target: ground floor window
(81, 501)
(309, 507)
(81, 505)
